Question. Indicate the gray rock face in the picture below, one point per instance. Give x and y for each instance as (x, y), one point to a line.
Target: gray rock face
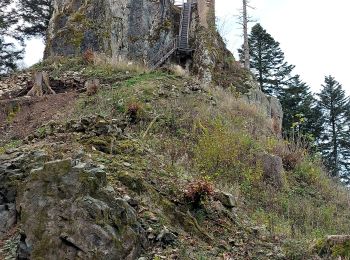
(121, 29)
(273, 169)
(271, 106)
(13, 166)
(68, 213)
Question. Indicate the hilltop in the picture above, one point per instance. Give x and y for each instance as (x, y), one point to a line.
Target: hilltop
(156, 165)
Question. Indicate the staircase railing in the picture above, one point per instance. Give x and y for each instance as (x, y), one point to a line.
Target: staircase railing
(164, 54)
(187, 7)
(189, 20)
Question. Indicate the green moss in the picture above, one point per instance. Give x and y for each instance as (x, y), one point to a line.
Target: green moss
(342, 250)
(13, 110)
(127, 147)
(78, 17)
(10, 145)
(102, 144)
(135, 183)
(77, 38)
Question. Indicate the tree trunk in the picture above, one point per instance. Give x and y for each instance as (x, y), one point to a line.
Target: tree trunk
(41, 85)
(245, 33)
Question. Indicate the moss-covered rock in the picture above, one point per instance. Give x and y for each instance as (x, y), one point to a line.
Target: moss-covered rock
(121, 29)
(68, 212)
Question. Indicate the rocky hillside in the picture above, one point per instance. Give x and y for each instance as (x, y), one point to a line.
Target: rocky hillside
(152, 165)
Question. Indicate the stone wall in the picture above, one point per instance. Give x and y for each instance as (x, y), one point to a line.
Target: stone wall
(206, 11)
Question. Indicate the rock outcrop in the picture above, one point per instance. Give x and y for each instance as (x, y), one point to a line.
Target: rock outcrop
(64, 209)
(138, 30)
(122, 29)
(68, 212)
(269, 105)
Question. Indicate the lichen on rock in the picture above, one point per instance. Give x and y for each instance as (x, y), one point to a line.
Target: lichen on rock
(67, 211)
(121, 29)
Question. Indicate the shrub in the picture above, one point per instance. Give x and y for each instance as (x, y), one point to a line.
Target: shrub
(227, 153)
(134, 111)
(309, 170)
(292, 151)
(197, 191)
(88, 56)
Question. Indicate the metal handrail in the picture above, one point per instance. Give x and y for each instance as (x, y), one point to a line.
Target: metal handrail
(189, 3)
(170, 48)
(182, 17)
(189, 20)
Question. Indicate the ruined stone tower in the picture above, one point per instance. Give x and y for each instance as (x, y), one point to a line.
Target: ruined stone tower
(206, 12)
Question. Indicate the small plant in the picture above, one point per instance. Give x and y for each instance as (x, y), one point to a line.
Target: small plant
(10, 145)
(133, 112)
(197, 191)
(292, 151)
(88, 56)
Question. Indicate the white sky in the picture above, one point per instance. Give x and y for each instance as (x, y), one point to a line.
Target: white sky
(313, 35)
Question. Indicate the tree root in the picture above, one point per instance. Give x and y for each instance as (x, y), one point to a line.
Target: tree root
(41, 85)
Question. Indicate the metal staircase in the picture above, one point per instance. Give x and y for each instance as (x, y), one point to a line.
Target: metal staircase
(180, 45)
(163, 55)
(185, 26)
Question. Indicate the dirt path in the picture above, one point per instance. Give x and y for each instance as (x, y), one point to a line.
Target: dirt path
(21, 117)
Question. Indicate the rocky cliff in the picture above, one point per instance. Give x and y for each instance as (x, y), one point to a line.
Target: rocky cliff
(122, 29)
(137, 31)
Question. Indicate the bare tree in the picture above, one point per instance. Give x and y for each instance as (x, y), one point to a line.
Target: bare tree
(245, 35)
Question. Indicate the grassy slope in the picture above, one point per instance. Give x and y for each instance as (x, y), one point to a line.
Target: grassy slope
(182, 132)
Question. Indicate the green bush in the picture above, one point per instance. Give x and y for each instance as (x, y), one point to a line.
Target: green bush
(228, 154)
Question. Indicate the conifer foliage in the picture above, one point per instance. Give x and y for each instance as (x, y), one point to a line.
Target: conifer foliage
(334, 142)
(9, 55)
(267, 61)
(299, 107)
(35, 16)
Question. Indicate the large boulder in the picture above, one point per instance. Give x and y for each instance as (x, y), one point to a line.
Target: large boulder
(273, 169)
(13, 166)
(68, 212)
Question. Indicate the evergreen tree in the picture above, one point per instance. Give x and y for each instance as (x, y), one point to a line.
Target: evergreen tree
(299, 108)
(267, 61)
(35, 17)
(345, 145)
(334, 141)
(8, 53)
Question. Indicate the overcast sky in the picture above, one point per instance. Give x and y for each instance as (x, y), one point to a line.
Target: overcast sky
(313, 34)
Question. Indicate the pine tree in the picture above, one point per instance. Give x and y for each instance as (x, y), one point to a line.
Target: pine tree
(299, 109)
(9, 55)
(345, 146)
(35, 17)
(267, 61)
(334, 141)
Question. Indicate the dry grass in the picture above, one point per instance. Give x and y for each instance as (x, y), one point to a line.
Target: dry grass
(238, 112)
(118, 63)
(178, 70)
